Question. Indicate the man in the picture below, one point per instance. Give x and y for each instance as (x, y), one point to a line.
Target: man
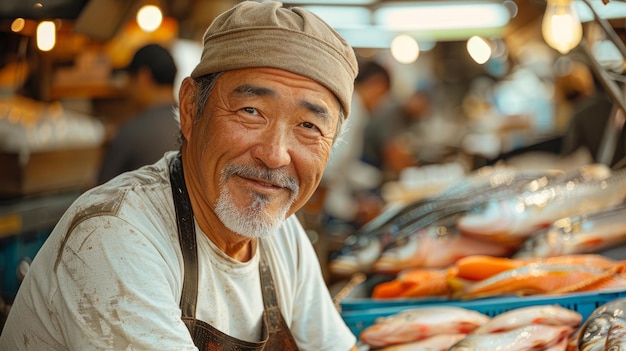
(146, 137)
(347, 179)
(202, 250)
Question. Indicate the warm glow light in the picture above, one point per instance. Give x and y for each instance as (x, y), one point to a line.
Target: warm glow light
(46, 35)
(432, 15)
(149, 18)
(18, 24)
(561, 27)
(479, 49)
(405, 49)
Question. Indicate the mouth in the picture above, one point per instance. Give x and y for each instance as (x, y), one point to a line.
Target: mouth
(264, 183)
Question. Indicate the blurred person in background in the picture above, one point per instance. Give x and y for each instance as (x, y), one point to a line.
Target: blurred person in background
(202, 249)
(392, 136)
(348, 180)
(144, 138)
(591, 110)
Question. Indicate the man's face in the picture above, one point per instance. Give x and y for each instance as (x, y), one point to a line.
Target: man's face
(262, 146)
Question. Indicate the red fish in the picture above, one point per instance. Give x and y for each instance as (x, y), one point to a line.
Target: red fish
(530, 337)
(444, 240)
(539, 314)
(439, 342)
(420, 323)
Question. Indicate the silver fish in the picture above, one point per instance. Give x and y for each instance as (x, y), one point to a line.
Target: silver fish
(616, 336)
(578, 234)
(510, 221)
(362, 249)
(441, 237)
(594, 332)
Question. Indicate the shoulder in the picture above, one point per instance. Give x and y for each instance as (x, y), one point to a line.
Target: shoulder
(137, 202)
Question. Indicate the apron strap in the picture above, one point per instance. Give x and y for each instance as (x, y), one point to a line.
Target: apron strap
(187, 239)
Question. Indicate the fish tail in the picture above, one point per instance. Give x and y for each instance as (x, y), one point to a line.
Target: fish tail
(598, 280)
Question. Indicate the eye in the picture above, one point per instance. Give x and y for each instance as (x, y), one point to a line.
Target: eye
(250, 110)
(308, 125)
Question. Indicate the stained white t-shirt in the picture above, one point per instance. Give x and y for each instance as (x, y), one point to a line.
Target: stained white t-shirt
(110, 277)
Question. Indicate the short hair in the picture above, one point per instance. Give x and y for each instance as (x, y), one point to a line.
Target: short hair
(158, 60)
(369, 69)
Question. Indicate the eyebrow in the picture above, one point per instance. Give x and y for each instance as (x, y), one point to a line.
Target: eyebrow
(253, 90)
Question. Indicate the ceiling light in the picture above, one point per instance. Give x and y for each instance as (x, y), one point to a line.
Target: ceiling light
(328, 2)
(610, 10)
(561, 27)
(149, 18)
(447, 15)
(479, 49)
(46, 35)
(405, 49)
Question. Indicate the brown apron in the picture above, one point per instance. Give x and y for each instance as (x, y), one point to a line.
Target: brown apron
(276, 334)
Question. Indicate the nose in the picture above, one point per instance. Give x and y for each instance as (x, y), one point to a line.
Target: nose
(272, 149)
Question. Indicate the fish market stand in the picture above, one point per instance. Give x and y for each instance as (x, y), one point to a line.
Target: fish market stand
(360, 312)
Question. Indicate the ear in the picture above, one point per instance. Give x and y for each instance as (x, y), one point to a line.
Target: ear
(186, 107)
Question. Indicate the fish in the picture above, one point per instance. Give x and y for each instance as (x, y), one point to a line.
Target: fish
(479, 267)
(612, 279)
(528, 315)
(594, 332)
(442, 238)
(416, 282)
(362, 248)
(511, 220)
(530, 279)
(529, 337)
(439, 342)
(581, 233)
(616, 336)
(419, 323)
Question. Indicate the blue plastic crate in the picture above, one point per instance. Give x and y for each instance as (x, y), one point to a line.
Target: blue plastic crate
(583, 303)
(14, 249)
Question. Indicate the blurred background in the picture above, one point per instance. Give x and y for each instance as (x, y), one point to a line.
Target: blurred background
(471, 83)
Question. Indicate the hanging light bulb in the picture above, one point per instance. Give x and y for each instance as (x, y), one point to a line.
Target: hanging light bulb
(149, 18)
(405, 49)
(46, 35)
(561, 27)
(479, 49)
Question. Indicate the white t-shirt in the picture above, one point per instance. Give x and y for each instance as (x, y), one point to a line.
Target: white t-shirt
(110, 277)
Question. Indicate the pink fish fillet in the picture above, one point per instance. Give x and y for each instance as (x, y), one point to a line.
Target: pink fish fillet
(420, 323)
(540, 314)
(419, 247)
(530, 337)
(439, 342)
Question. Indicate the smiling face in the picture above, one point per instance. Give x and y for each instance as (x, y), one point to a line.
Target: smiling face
(259, 151)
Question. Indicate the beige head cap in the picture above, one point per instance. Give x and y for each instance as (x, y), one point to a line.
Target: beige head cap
(266, 34)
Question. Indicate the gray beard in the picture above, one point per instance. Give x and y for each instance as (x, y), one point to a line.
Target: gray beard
(253, 221)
